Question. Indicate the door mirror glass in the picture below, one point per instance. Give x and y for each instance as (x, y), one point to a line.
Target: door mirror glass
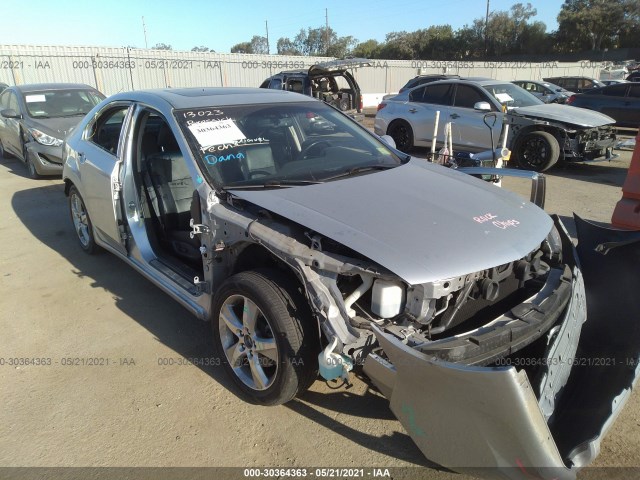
(10, 113)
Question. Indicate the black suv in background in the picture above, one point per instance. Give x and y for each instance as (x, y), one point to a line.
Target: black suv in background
(575, 84)
(331, 82)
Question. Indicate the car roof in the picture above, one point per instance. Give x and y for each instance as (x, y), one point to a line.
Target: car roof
(444, 75)
(180, 98)
(37, 87)
(481, 81)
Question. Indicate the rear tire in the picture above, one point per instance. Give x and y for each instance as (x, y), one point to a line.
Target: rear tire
(81, 222)
(264, 336)
(537, 151)
(402, 134)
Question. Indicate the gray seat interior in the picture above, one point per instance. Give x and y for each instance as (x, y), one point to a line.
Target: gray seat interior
(171, 191)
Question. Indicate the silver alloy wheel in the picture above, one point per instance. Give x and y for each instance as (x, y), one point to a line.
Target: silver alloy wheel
(248, 342)
(80, 219)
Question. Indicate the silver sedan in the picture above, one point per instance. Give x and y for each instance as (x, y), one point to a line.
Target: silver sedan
(314, 247)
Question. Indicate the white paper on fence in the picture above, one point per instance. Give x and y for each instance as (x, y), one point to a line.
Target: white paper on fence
(216, 132)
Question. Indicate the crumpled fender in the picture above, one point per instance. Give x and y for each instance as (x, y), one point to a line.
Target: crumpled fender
(488, 421)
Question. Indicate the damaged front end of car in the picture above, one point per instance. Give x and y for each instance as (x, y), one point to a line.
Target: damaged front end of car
(532, 393)
(486, 354)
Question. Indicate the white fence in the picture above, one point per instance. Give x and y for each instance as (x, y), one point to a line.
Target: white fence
(113, 70)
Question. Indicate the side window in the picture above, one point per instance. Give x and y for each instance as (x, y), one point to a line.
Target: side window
(13, 102)
(585, 83)
(295, 85)
(105, 130)
(615, 91)
(634, 91)
(4, 100)
(276, 84)
(467, 97)
(417, 95)
(439, 94)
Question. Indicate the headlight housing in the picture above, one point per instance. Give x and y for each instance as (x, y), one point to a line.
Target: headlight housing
(44, 139)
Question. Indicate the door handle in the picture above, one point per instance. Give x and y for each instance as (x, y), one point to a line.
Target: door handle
(81, 157)
(413, 110)
(454, 116)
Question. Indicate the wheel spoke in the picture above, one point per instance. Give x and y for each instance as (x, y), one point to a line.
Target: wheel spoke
(230, 319)
(257, 373)
(250, 313)
(266, 347)
(236, 354)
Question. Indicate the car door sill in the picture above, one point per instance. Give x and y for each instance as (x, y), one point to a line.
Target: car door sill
(181, 274)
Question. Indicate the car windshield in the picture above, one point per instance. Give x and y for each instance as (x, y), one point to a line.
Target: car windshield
(284, 144)
(512, 95)
(61, 103)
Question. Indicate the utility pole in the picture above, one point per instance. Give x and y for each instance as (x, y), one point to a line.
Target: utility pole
(266, 26)
(144, 29)
(486, 31)
(326, 31)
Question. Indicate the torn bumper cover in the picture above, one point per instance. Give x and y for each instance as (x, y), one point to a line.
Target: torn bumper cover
(493, 421)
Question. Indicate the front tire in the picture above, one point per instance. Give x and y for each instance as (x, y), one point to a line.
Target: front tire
(81, 222)
(402, 134)
(537, 151)
(3, 152)
(262, 331)
(31, 169)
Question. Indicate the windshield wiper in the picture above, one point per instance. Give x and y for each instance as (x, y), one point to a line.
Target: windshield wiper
(272, 184)
(357, 170)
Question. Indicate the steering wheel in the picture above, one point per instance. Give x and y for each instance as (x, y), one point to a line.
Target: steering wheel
(262, 173)
(315, 144)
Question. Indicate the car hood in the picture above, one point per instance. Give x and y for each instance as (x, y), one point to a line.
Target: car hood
(58, 127)
(565, 114)
(421, 221)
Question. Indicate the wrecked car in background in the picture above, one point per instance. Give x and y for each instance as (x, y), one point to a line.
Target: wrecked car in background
(35, 119)
(540, 134)
(332, 82)
(275, 217)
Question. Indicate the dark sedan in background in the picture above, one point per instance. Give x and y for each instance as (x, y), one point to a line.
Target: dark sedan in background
(35, 119)
(619, 101)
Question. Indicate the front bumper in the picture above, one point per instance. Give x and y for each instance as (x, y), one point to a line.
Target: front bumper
(592, 144)
(492, 421)
(46, 160)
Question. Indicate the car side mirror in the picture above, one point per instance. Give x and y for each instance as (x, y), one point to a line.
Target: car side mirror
(388, 139)
(10, 113)
(482, 107)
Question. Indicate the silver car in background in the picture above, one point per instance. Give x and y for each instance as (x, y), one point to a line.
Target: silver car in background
(35, 119)
(312, 245)
(545, 91)
(540, 135)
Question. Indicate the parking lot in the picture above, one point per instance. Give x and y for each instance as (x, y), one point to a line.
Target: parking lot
(112, 385)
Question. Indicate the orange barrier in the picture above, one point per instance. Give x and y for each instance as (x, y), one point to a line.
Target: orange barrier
(627, 211)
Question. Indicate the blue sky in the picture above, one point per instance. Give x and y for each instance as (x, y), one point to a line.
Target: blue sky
(221, 24)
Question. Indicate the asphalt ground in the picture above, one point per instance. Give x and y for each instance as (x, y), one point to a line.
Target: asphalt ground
(113, 389)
